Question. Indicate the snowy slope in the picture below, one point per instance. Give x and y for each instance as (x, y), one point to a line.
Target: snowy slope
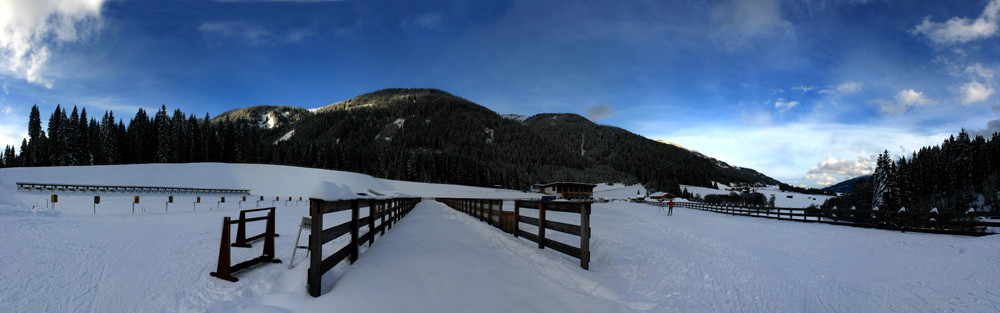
(782, 199)
(438, 260)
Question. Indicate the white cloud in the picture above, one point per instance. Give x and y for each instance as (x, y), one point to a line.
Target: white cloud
(804, 89)
(832, 170)
(862, 165)
(7, 110)
(29, 27)
(962, 30)
(975, 92)
(782, 104)
(912, 97)
(819, 180)
(905, 99)
(788, 152)
(600, 111)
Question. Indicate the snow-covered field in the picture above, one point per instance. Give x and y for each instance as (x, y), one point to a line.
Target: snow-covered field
(782, 199)
(439, 260)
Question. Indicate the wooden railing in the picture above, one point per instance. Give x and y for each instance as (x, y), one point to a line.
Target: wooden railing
(955, 223)
(388, 211)
(241, 229)
(487, 209)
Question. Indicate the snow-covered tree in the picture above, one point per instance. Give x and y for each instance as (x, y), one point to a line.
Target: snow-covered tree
(881, 181)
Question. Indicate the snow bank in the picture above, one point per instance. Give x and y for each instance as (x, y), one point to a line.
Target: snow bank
(328, 191)
(9, 203)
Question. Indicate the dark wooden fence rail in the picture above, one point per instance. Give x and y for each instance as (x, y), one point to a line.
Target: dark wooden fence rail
(388, 211)
(491, 212)
(928, 222)
(224, 270)
(241, 229)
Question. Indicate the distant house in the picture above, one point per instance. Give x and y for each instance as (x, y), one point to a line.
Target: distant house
(662, 196)
(571, 191)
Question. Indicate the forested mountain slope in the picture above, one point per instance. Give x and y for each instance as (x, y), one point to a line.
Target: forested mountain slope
(422, 135)
(432, 136)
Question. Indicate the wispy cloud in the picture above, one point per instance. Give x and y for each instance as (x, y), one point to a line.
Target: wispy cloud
(979, 70)
(845, 88)
(962, 30)
(248, 33)
(29, 27)
(782, 104)
(740, 21)
(599, 112)
(803, 89)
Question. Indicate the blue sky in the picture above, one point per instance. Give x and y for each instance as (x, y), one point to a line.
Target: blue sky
(806, 91)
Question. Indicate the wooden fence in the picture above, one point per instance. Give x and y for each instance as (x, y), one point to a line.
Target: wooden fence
(224, 270)
(955, 223)
(387, 211)
(491, 211)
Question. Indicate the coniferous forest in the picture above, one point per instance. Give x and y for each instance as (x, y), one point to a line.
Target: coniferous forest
(960, 174)
(423, 135)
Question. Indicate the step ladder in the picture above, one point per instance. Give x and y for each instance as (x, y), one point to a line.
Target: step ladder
(305, 224)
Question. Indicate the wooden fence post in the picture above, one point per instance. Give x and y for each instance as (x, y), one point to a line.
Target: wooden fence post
(316, 248)
(269, 239)
(489, 215)
(222, 269)
(585, 235)
(381, 213)
(517, 216)
(355, 213)
(371, 222)
(241, 232)
(541, 225)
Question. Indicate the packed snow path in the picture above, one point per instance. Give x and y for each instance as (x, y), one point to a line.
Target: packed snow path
(439, 260)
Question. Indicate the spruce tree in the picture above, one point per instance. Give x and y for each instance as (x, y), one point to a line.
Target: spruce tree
(94, 147)
(37, 144)
(162, 129)
(109, 139)
(880, 182)
(83, 140)
(72, 135)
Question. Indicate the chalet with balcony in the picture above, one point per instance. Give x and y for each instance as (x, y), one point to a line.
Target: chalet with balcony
(569, 191)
